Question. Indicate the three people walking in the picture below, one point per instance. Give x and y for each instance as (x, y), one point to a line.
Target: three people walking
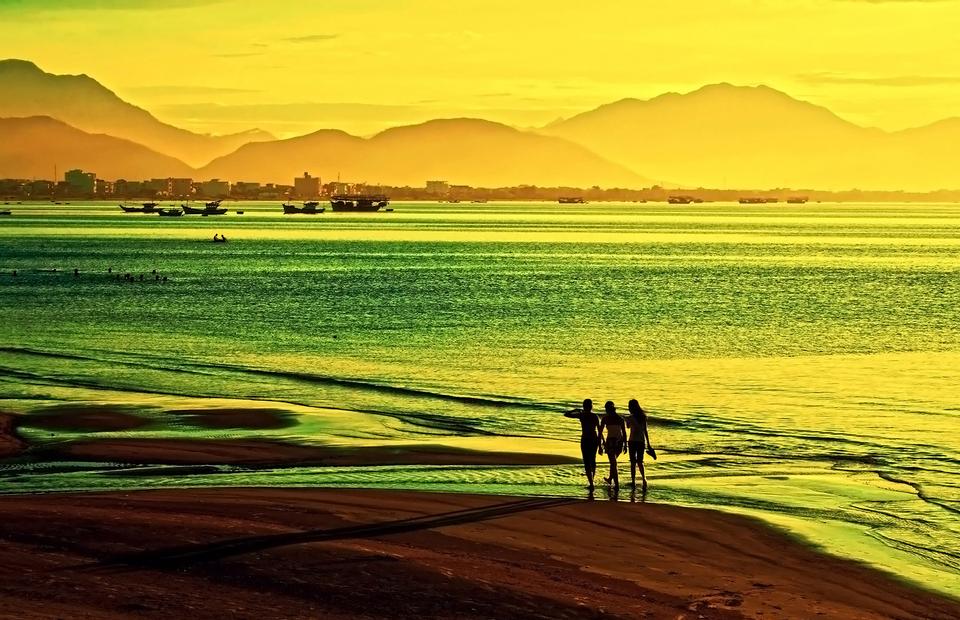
(616, 441)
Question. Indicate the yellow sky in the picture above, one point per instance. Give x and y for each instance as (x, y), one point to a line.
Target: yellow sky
(362, 65)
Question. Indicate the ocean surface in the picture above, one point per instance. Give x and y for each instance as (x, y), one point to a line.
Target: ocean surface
(801, 363)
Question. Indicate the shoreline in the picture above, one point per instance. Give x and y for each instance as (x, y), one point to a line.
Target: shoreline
(397, 554)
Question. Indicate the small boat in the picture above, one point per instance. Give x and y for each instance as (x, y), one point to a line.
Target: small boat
(367, 203)
(170, 212)
(797, 200)
(752, 201)
(571, 200)
(680, 200)
(6, 212)
(309, 208)
(479, 201)
(239, 212)
(207, 210)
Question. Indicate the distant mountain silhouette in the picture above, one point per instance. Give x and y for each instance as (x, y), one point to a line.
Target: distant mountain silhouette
(31, 147)
(85, 104)
(467, 151)
(753, 137)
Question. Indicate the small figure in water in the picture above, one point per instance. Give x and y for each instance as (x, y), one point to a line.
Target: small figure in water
(109, 269)
(615, 441)
(76, 272)
(589, 437)
(638, 441)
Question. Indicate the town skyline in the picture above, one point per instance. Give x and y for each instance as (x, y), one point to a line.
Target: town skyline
(224, 66)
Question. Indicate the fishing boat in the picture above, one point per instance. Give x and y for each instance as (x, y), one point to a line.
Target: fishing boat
(308, 208)
(170, 212)
(216, 209)
(752, 201)
(571, 200)
(6, 212)
(359, 202)
(127, 209)
(680, 200)
(797, 200)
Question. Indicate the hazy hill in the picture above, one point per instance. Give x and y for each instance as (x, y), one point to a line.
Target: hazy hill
(732, 136)
(82, 102)
(31, 147)
(467, 151)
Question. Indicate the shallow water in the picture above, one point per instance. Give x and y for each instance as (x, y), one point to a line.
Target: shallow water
(800, 362)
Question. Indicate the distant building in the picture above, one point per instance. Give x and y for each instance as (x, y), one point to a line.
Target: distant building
(306, 186)
(179, 188)
(126, 189)
(338, 187)
(243, 189)
(103, 187)
(80, 182)
(214, 188)
(438, 188)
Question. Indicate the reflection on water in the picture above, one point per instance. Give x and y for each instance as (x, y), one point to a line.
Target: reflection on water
(800, 362)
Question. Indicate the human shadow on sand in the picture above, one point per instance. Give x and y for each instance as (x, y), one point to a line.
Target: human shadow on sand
(186, 555)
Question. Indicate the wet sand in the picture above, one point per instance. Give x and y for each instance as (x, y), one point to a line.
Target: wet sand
(254, 452)
(298, 553)
(10, 444)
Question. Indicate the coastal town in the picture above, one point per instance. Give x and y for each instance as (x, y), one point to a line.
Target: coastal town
(85, 185)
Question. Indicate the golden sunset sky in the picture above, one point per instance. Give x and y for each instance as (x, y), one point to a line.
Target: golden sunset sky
(363, 65)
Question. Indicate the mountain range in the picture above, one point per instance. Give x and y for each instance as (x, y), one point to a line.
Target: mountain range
(720, 135)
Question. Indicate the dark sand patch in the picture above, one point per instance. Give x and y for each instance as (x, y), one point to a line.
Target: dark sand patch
(236, 418)
(10, 444)
(357, 555)
(266, 453)
(84, 418)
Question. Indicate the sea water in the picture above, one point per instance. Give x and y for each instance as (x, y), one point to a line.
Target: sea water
(800, 363)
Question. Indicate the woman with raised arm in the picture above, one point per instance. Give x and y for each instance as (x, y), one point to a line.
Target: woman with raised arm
(589, 437)
(615, 443)
(638, 441)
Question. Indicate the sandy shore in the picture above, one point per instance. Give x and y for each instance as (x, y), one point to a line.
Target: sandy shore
(296, 553)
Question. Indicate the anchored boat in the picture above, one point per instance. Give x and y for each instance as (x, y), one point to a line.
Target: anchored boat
(359, 202)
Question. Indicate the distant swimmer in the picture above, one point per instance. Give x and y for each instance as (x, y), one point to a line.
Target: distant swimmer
(589, 437)
(615, 442)
(638, 441)
(76, 272)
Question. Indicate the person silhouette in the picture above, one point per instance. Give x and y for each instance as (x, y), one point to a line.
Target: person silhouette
(614, 443)
(589, 438)
(638, 441)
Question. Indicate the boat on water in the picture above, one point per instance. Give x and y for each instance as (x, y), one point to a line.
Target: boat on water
(797, 200)
(753, 201)
(310, 208)
(681, 200)
(127, 209)
(480, 201)
(571, 200)
(170, 212)
(359, 202)
(6, 212)
(210, 209)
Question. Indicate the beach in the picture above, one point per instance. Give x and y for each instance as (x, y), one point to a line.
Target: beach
(302, 553)
(798, 362)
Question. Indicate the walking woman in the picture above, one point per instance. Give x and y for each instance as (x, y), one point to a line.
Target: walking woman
(638, 442)
(589, 437)
(615, 442)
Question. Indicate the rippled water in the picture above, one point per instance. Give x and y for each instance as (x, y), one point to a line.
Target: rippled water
(800, 363)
